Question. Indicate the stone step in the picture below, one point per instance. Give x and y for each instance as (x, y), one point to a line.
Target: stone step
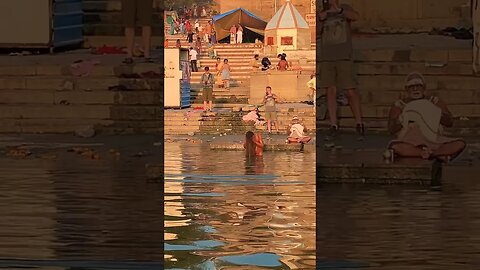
(222, 94)
(434, 82)
(388, 97)
(367, 167)
(382, 111)
(103, 29)
(113, 6)
(118, 41)
(114, 17)
(375, 125)
(52, 97)
(86, 83)
(172, 118)
(100, 70)
(49, 125)
(402, 68)
(106, 112)
(236, 123)
(245, 63)
(218, 47)
(413, 55)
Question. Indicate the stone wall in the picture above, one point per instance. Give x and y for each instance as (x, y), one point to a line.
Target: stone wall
(377, 15)
(409, 15)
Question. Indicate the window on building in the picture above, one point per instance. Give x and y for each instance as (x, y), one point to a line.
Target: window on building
(286, 41)
(270, 41)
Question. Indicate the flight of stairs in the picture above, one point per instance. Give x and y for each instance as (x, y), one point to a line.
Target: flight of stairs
(41, 98)
(230, 121)
(239, 57)
(103, 23)
(381, 75)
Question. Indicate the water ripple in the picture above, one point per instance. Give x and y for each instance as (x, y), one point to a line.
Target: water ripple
(262, 210)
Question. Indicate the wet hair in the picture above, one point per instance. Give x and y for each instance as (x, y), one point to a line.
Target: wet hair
(207, 68)
(249, 144)
(266, 89)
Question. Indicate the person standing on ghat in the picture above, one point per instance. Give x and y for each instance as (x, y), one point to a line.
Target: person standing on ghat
(336, 61)
(207, 81)
(140, 11)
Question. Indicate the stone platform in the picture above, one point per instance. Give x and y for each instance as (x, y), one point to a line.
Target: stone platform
(369, 167)
(274, 146)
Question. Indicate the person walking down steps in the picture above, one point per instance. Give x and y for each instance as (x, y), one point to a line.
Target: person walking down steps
(226, 69)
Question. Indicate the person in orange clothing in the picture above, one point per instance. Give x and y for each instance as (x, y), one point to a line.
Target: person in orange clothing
(253, 144)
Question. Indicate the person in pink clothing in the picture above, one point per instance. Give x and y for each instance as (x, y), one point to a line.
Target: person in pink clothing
(233, 34)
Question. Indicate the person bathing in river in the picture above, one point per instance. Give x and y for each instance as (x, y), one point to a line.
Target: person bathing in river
(418, 121)
(297, 132)
(253, 144)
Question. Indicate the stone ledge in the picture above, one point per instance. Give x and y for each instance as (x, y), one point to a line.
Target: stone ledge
(369, 168)
(268, 147)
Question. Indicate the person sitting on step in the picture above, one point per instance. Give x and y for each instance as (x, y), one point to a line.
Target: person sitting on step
(266, 64)
(297, 132)
(418, 121)
(254, 63)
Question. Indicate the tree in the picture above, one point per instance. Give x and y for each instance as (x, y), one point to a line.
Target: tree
(177, 4)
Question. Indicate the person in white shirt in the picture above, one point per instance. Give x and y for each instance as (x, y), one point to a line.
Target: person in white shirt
(193, 59)
(239, 34)
(297, 132)
(197, 26)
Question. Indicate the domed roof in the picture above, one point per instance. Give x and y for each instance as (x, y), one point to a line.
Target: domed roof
(287, 17)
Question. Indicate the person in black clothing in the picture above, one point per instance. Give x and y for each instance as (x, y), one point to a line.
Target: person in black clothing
(266, 63)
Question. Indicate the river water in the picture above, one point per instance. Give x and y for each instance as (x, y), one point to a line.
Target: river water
(401, 227)
(223, 211)
(61, 210)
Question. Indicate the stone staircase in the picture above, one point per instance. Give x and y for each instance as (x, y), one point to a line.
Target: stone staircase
(229, 120)
(103, 23)
(239, 57)
(381, 75)
(33, 100)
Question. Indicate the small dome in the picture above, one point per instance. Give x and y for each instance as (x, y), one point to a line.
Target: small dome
(287, 17)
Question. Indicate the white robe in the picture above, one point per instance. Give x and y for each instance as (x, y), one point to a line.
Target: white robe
(239, 36)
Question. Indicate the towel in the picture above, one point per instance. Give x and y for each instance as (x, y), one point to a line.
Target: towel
(296, 131)
(425, 115)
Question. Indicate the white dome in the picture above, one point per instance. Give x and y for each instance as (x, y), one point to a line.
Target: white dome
(287, 17)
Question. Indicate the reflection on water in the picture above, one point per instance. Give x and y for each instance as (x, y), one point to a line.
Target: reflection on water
(402, 227)
(225, 212)
(75, 213)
